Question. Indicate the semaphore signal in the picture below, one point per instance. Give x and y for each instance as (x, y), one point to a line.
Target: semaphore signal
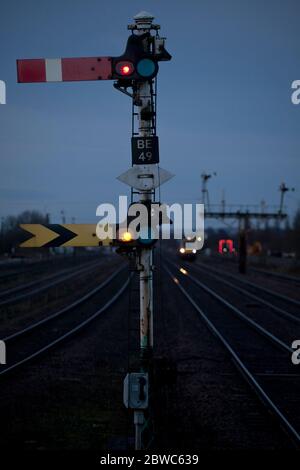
(136, 70)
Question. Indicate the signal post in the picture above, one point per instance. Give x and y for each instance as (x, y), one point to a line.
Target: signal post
(135, 70)
(145, 161)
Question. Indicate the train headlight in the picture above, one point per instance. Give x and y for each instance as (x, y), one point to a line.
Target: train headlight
(194, 251)
(182, 250)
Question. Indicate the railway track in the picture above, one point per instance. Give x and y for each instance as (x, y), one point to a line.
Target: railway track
(41, 336)
(283, 302)
(277, 329)
(264, 272)
(261, 355)
(35, 267)
(280, 276)
(10, 275)
(242, 286)
(20, 293)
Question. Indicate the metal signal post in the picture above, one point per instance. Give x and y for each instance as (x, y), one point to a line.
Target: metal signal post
(135, 69)
(145, 154)
(145, 114)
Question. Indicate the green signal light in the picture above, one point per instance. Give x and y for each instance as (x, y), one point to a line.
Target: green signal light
(146, 67)
(146, 236)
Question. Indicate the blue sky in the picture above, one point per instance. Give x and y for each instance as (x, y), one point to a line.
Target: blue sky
(224, 103)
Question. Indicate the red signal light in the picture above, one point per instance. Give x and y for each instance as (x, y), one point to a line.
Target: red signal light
(124, 68)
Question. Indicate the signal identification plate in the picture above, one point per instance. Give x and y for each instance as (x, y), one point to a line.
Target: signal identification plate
(144, 150)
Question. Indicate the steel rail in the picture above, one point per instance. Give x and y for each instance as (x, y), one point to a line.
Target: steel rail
(251, 284)
(58, 278)
(285, 277)
(60, 312)
(239, 313)
(241, 366)
(276, 309)
(66, 335)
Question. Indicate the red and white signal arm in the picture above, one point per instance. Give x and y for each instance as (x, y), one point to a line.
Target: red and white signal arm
(144, 150)
(83, 69)
(64, 70)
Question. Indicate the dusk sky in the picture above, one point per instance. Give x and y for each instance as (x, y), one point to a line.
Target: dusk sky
(224, 103)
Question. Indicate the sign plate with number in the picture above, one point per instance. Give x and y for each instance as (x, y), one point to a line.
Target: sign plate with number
(144, 150)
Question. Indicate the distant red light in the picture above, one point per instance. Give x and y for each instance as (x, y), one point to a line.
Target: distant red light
(225, 246)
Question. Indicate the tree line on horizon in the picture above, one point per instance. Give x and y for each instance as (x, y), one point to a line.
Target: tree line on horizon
(273, 238)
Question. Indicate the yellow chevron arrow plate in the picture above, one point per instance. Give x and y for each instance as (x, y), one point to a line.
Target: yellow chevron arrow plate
(47, 235)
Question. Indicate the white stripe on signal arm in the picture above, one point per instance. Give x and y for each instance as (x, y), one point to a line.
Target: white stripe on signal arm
(53, 70)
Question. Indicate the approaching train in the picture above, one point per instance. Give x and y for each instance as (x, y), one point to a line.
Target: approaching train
(186, 252)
